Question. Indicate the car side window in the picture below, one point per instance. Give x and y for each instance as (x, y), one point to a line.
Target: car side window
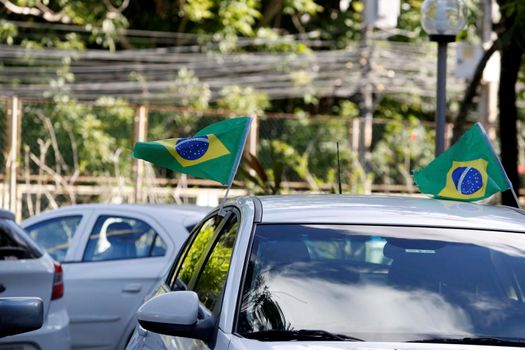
(194, 252)
(159, 247)
(117, 237)
(55, 235)
(212, 279)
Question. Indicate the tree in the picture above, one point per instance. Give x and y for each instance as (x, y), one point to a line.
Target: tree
(511, 44)
(513, 47)
(234, 26)
(103, 19)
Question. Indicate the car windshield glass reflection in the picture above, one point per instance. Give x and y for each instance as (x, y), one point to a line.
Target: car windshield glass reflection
(385, 283)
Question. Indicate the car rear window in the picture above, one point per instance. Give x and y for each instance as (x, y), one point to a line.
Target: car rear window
(13, 245)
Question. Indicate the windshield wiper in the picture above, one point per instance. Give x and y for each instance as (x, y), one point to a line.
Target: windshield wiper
(473, 341)
(302, 334)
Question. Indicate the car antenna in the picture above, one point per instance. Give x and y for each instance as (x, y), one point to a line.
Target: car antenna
(339, 170)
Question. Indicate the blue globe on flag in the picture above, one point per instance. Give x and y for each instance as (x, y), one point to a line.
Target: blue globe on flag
(467, 180)
(192, 148)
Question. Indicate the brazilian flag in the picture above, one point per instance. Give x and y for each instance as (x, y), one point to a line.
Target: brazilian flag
(212, 153)
(470, 170)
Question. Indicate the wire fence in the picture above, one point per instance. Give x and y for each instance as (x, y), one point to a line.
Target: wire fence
(70, 153)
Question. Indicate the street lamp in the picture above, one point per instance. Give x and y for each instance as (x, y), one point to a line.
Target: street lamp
(442, 20)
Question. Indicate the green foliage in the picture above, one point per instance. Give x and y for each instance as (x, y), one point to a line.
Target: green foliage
(294, 7)
(193, 256)
(242, 100)
(301, 78)
(194, 94)
(198, 10)
(8, 32)
(410, 20)
(271, 41)
(317, 141)
(268, 179)
(404, 147)
(347, 109)
(472, 32)
(238, 16)
(88, 138)
(103, 21)
(303, 149)
(404, 144)
(213, 277)
(405, 108)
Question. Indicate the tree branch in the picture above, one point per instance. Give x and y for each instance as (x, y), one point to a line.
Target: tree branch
(59, 179)
(123, 6)
(119, 9)
(40, 10)
(472, 90)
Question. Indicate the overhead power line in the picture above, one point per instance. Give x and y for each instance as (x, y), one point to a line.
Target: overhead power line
(152, 74)
(184, 41)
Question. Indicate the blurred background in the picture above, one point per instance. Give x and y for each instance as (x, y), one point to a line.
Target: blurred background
(81, 81)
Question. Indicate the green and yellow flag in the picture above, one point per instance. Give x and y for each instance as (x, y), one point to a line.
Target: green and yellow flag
(470, 170)
(213, 153)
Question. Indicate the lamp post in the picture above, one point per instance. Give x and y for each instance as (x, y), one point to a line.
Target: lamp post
(442, 20)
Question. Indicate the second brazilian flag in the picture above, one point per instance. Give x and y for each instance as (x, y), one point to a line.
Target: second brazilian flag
(467, 171)
(212, 153)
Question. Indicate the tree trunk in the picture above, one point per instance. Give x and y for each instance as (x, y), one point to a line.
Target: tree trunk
(471, 92)
(511, 56)
(272, 10)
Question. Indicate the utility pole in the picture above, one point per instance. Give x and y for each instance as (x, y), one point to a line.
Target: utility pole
(140, 129)
(382, 14)
(366, 107)
(12, 154)
(488, 104)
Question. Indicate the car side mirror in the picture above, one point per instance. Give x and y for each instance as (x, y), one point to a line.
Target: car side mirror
(177, 314)
(20, 315)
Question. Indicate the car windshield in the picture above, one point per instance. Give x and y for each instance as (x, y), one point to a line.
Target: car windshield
(380, 283)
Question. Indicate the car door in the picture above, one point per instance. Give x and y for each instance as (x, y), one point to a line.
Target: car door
(122, 259)
(203, 267)
(58, 232)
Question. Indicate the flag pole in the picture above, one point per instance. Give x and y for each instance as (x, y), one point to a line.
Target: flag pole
(500, 165)
(222, 212)
(515, 197)
(339, 171)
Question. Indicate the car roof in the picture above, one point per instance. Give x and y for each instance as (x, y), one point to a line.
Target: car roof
(174, 209)
(389, 210)
(7, 215)
(187, 215)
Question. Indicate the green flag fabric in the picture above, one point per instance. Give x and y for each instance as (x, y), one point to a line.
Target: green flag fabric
(470, 170)
(212, 153)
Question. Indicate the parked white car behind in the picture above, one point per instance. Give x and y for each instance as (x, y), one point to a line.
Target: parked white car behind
(113, 256)
(26, 270)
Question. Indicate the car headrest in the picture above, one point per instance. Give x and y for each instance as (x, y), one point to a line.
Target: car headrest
(119, 231)
(285, 252)
(391, 251)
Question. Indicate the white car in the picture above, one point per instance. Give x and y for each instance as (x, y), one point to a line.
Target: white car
(344, 272)
(113, 256)
(26, 270)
